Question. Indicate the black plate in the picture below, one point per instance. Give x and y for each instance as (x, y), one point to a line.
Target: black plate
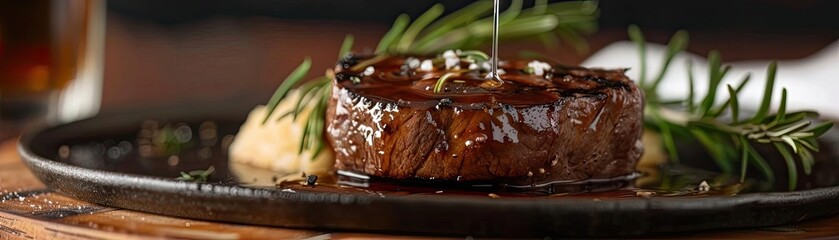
(149, 186)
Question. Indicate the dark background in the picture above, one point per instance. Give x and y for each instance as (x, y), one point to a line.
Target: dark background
(193, 52)
(748, 15)
(235, 53)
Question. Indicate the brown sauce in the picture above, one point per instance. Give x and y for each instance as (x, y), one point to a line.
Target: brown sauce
(123, 152)
(393, 80)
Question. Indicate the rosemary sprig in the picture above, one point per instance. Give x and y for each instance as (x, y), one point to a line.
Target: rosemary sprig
(288, 83)
(423, 20)
(442, 80)
(346, 47)
(308, 93)
(791, 134)
(471, 26)
(393, 34)
(475, 55)
(430, 33)
(197, 175)
(726, 141)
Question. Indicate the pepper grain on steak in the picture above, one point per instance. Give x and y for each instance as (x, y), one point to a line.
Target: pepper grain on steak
(546, 123)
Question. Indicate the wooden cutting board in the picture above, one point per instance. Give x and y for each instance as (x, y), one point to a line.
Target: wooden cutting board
(28, 210)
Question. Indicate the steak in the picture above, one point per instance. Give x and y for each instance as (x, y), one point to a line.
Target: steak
(546, 123)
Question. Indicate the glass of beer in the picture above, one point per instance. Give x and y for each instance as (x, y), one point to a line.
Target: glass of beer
(51, 60)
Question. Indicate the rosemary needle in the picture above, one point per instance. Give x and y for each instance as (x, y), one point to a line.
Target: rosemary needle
(430, 33)
(791, 134)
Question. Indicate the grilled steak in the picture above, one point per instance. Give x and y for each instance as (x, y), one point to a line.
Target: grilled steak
(546, 123)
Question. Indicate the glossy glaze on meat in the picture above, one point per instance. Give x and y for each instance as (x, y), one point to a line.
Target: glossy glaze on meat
(568, 124)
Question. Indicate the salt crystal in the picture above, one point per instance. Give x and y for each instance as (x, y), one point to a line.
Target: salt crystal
(704, 187)
(539, 67)
(427, 65)
(369, 71)
(413, 63)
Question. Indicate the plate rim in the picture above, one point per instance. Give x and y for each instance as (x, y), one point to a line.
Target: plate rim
(42, 166)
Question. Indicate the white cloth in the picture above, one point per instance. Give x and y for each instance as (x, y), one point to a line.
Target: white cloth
(812, 83)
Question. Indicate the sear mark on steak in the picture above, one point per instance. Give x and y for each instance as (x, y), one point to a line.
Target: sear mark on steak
(570, 124)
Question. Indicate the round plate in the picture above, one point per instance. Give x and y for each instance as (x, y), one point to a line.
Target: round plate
(102, 167)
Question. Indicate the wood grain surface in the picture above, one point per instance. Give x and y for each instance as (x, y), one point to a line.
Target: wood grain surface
(28, 210)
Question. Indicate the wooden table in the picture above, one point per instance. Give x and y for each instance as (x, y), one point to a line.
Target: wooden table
(28, 210)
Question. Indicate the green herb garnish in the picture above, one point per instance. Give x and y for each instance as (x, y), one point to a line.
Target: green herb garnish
(288, 83)
(731, 139)
(467, 28)
(197, 175)
(442, 80)
(723, 130)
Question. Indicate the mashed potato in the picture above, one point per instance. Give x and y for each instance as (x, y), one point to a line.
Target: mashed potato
(275, 144)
